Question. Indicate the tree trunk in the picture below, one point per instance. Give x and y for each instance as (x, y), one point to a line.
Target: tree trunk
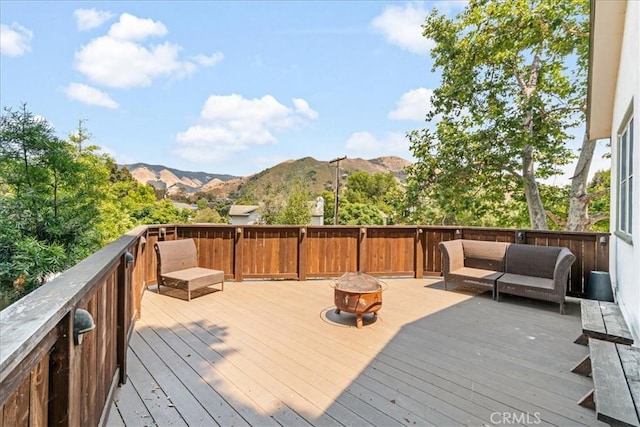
(534, 202)
(578, 217)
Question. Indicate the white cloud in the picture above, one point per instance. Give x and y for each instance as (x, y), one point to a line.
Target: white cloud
(365, 144)
(233, 123)
(88, 19)
(121, 60)
(90, 96)
(402, 26)
(132, 28)
(303, 108)
(15, 40)
(413, 105)
(123, 64)
(208, 61)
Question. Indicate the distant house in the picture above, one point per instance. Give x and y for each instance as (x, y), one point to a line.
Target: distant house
(244, 214)
(613, 112)
(317, 211)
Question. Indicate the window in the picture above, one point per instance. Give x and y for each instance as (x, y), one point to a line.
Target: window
(625, 177)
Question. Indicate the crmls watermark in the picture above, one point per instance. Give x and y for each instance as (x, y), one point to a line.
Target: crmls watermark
(522, 418)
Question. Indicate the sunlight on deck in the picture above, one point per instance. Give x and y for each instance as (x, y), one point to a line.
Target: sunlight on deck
(302, 309)
(266, 353)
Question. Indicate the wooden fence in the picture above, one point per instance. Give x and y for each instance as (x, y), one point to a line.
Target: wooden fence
(46, 379)
(309, 252)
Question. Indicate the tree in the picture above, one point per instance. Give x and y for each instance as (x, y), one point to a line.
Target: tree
(360, 214)
(513, 85)
(208, 215)
(271, 207)
(600, 188)
(47, 205)
(329, 204)
(381, 192)
(296, 209)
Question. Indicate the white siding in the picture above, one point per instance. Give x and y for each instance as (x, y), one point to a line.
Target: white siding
(250, 219)
(625, 257)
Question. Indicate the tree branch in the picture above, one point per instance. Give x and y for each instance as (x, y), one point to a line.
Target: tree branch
(516, 174)
(533, 77)
(576, 32)
(591, 196)
(518, 76)
(598, 217)
(555, 218)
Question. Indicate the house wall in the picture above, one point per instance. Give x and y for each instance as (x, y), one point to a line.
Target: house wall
(317, 220)
(625, 256)
(252, 218)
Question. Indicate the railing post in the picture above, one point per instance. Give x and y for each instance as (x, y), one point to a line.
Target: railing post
(419, 253)
(602, 252)
(124, 317)
(458, 234)
(237, 254)
(64, 377)
(302, 253)
(362, 250)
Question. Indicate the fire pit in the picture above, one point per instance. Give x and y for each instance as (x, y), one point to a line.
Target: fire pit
(359, 294)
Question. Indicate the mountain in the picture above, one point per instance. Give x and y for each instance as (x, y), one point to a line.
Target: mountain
(320, 175)
(173, 180)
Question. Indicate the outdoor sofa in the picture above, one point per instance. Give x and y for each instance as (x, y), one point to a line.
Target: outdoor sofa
(539, 272)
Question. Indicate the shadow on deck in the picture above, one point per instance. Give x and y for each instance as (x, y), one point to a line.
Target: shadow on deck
(273, 353)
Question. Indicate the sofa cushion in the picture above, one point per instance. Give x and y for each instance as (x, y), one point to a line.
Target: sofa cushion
(484, 255)
(530, 260)
(474, 277)
(528, 281)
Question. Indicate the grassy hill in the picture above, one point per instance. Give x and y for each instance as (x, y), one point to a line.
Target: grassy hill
(318, 175)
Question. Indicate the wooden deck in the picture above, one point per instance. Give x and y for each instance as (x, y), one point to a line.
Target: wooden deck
(275, 353)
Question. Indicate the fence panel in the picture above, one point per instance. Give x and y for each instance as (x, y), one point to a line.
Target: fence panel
(331, 251)
(215, 246)
(270, 253)
(389, 252)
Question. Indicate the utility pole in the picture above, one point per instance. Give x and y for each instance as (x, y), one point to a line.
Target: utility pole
(335, 207)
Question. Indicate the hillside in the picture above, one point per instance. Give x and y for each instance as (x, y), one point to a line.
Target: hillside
(319, 175)
(173, 180)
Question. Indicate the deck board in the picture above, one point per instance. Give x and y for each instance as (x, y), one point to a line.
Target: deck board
(274, 353)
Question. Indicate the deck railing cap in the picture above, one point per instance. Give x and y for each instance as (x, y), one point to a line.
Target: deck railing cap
(24, 323)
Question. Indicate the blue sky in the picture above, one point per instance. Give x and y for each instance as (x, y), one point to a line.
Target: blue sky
(223, 87)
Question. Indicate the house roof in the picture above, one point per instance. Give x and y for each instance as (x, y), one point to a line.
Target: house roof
(605, 43)
(242, 210)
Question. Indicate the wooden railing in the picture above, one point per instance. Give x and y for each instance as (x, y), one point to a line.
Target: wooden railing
(296, 252)
(45, 378)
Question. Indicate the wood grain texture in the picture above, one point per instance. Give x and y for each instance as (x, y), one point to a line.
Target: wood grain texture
(613, 399)
(266, 353)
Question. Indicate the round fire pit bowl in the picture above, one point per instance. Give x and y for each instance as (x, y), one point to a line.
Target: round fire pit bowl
(359, 294)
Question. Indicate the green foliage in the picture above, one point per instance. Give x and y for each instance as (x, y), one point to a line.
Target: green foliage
(208, 215)
(270, 207)
(296, 210)
(329, 204)
(162, 212)
(380, 193)
(600, 187)
(61, 201)
(49, 214)
(360, 214)
(26, 265)
(513, 84)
